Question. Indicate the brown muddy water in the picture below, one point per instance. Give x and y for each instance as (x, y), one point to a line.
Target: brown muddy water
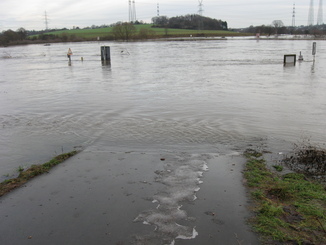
(165, 120)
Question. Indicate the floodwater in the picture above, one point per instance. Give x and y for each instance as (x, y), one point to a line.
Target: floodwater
(158, 95)
(162, 130)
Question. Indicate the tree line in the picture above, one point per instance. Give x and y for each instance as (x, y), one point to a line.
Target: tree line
(10, 36)
(277, 27)
(190, 21)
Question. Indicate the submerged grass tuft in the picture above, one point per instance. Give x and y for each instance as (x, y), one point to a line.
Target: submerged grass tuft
(35, 170)
(290, 209)
(278, 168)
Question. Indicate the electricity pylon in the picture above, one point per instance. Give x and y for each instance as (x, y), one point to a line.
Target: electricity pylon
(311, 13)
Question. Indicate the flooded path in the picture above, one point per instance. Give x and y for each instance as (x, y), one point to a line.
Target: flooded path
(138, 198)
(162, 131)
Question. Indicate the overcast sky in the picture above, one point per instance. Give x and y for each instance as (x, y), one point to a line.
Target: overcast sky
(30, 14)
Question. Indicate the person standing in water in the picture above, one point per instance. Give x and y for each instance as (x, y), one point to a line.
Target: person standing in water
(69, 54)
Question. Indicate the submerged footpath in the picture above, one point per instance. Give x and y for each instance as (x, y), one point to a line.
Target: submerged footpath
(142, 197)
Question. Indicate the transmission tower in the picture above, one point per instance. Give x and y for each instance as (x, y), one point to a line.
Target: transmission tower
(200, 11)
(311, 13)
(158, 10)
(132, 11)
(130, 18)
(46, 21)
(320, 13)
(293, 16)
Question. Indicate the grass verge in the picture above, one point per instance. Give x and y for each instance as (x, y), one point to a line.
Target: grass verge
(35, 170)
(289, 209)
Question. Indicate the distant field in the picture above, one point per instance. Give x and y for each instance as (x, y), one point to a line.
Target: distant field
(157, 32)
(85, 33)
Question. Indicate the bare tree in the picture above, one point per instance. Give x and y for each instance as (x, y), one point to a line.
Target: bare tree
(145, 33)
(22, 33)
(124, 31)
(160, 21)
(277, 24)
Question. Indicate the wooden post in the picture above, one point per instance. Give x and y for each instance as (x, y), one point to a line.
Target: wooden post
(105, 55)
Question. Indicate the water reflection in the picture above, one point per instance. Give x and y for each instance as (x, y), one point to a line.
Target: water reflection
(313, 66)
(106, 72)
(106, 63)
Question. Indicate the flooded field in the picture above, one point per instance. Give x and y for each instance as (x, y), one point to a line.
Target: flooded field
(175, 96)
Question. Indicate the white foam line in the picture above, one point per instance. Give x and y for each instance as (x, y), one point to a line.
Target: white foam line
(205, 167)
(182, 181)
(194, 235)
(235, 153)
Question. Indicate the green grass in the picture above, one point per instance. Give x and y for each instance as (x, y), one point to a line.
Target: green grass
(157, 32)
(278, 168)
(85, 33)
(20, 169)
(287, 208)
(35, 170)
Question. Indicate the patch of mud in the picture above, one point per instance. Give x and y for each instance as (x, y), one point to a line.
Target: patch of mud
(309, 160)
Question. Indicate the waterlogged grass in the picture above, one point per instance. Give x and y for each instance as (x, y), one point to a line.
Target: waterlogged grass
(278, 168)
(35, 170)
(289, 209)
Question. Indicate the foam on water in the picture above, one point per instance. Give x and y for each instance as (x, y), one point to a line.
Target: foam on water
(180, 179)
(194, 234)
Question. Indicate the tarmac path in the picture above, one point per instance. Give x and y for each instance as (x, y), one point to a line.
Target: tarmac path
(118, 197)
